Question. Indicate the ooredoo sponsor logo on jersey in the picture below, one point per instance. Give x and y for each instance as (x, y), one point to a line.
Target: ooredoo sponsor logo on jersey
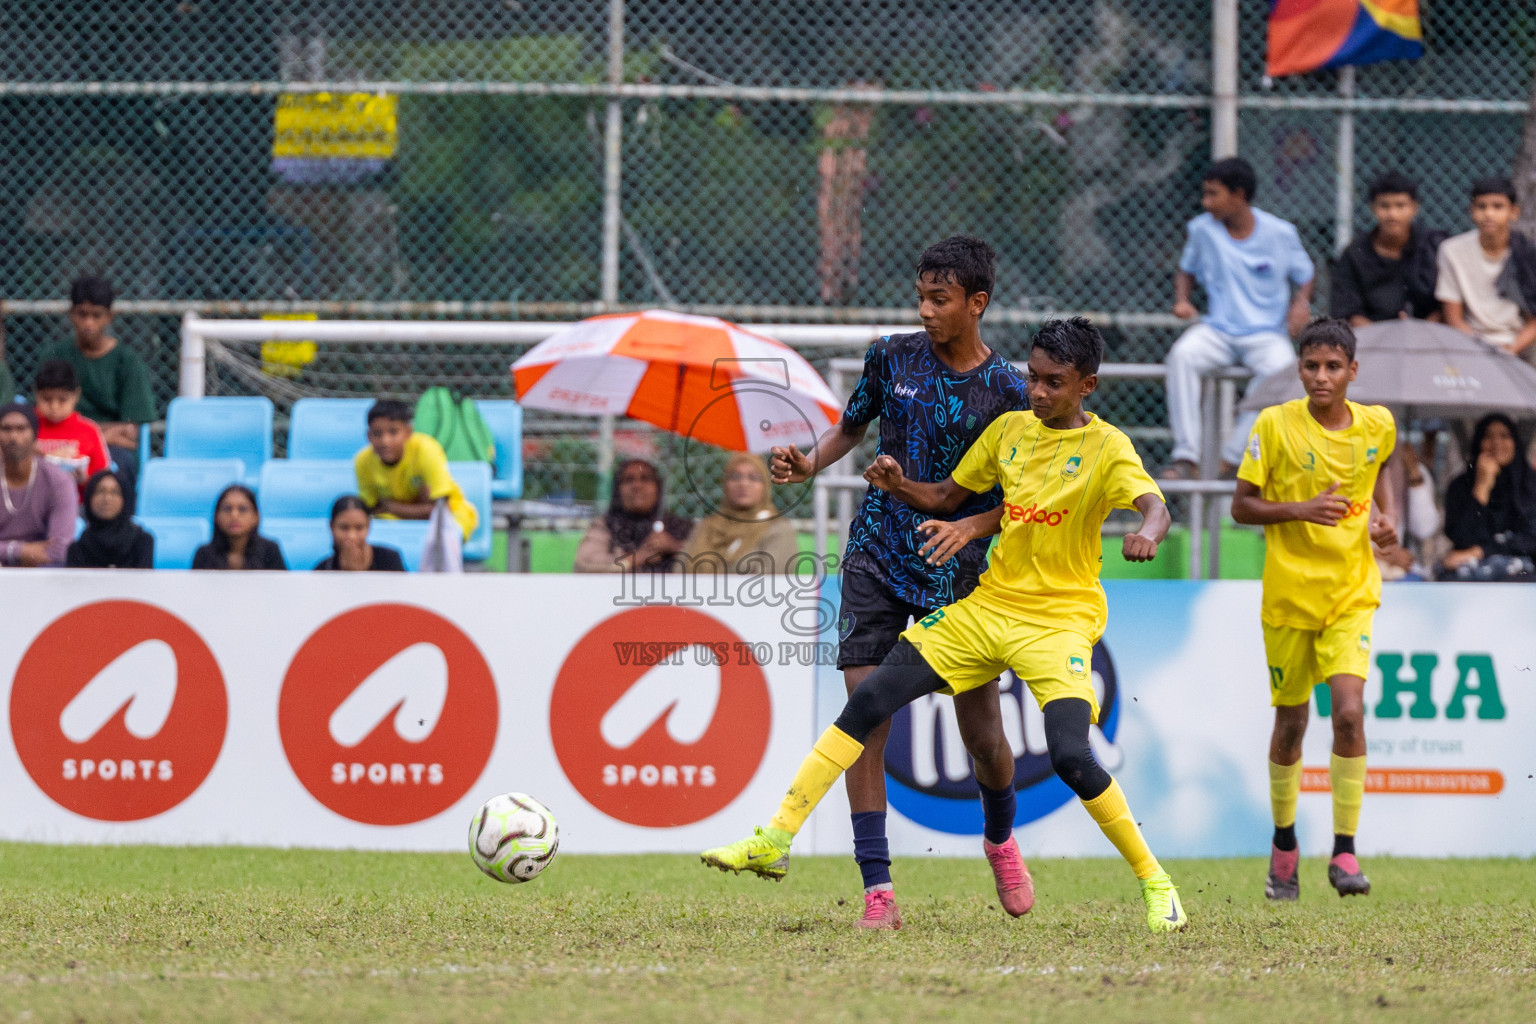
(929, 774)
(118, 710)
(388, 714)
(660, 716)
(1035, 514)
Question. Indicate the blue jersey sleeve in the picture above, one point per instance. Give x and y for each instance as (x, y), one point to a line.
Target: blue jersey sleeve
(1189, 259)
(864, 405)
(1298, 265)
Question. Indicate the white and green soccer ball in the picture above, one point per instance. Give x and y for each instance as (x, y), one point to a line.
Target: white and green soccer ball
(513, 838)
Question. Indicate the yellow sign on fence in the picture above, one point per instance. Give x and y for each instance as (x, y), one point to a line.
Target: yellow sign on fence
(336, 125)
(287, 358)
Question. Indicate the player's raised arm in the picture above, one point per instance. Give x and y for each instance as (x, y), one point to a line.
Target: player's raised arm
(1141, 546)
(1251, 508)
(946, 537)
(941, 498)
(789, 465)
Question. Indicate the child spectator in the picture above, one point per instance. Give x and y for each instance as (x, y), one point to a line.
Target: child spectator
(746, 532)
(38, 500)
(64, 437)
(402, 473)
(114, 382)
(236, 543)
(351, 551)
(1246, 260)
(635, 533)
(112, 540)
(1389, 272)
(1490, 510)
(1487, 277)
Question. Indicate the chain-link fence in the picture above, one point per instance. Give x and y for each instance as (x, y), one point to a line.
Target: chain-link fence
(764, 159)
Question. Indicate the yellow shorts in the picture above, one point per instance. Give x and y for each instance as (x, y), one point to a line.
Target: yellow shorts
(1299, 659)
(969, 645)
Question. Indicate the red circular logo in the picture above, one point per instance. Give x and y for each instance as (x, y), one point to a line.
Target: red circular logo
(388, 714)
(660, 716)
(118, 710)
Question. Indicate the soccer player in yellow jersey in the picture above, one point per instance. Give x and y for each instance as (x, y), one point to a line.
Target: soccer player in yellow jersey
(1311, 476)
(1037, 610)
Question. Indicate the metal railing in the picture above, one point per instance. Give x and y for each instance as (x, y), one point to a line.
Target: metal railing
(839, 483)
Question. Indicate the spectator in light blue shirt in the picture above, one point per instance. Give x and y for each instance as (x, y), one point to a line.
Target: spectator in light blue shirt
(1247, 261)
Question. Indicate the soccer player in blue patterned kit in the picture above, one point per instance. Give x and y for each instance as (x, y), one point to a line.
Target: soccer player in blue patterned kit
(934, 391)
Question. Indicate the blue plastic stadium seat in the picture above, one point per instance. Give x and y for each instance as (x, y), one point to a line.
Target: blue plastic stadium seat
(505, 418)
(185, 487)
(328, 428)
(177, 538)
(305, 488)
(304, 541)
(221, 428)
(404, 535)
(474, 478)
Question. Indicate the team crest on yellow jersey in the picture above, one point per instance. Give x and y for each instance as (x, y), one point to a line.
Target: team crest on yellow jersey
(1370, 455)
(1070, 470)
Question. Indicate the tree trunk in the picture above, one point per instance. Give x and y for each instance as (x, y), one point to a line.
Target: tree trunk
(1525, 169)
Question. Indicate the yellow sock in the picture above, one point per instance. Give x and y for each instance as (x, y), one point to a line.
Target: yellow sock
(1346, 776)
(834, 753)
(1284, 789)
(1112, 813)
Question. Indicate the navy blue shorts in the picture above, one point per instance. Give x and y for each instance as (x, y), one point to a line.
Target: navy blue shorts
(871, 618)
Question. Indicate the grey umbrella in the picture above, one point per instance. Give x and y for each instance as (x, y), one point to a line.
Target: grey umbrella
(1428, 368)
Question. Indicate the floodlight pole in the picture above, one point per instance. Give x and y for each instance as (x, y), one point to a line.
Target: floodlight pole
(1223, 78)
(1344, 157)
(613, 179)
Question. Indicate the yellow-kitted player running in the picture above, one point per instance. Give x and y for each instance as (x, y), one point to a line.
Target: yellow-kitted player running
(1037, 610)
(1311, 476)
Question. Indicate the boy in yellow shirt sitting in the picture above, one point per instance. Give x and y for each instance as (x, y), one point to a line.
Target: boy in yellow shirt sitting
(402, 474)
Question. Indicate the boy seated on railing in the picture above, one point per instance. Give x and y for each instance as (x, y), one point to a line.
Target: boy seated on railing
(114, 380)
(402, 474)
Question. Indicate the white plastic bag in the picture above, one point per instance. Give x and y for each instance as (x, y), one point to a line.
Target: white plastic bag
(443, 550)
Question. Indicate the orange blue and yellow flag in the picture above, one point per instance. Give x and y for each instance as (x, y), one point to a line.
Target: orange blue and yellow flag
(1305, 35)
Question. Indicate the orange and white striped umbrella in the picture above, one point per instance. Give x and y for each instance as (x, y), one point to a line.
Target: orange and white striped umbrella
(697, 376)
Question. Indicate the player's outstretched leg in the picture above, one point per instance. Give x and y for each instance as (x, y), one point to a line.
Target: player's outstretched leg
(1066, 733)
(1346, 777)
(866, 803)
(902, 678)
(981, 728)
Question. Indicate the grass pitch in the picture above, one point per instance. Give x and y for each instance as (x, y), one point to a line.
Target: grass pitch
(133, 933)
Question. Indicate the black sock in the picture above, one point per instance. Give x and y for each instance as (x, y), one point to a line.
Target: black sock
(1343, 844)
(1285, 838)
(998, 807)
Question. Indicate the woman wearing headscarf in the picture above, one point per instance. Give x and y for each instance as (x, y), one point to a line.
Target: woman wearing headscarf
(236, 543)
(111, 540)
(746, 524)
(1490, 510)
(635, 533)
